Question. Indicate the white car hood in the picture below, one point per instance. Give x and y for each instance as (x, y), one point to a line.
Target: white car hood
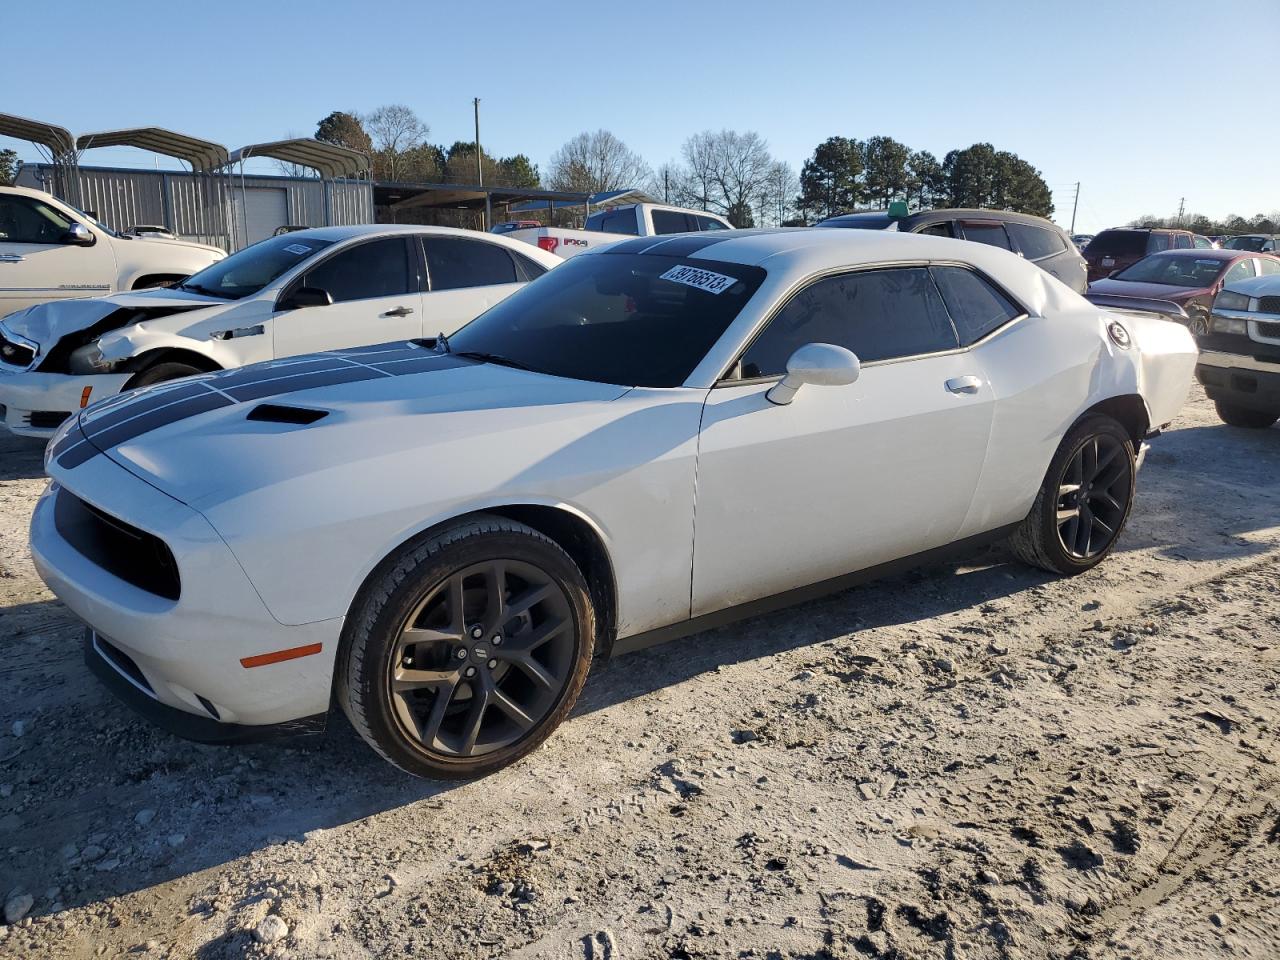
(173, 242)
(47, 323)
(193, 438)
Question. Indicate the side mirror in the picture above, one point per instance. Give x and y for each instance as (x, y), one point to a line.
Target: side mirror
(306, 297)
(822, 364)
(79, 235)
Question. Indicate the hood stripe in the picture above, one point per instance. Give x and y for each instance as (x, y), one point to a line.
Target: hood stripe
(166, 404)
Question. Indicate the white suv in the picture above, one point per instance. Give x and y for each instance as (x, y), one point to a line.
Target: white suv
(51, 251)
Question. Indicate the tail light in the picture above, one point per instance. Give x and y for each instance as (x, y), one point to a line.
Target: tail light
(548, 244)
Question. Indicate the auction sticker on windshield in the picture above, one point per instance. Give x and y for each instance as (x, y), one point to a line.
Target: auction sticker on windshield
(297, 248)
(702, 279)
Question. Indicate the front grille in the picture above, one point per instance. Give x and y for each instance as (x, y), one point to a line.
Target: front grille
(17, 354)
(1269, 304)
(1269, 330)
(47, 419)
(133, 555)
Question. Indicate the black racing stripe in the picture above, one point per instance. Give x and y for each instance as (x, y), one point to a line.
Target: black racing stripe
(352, 373)
(151, 400)
(66, 442)
(162, 417)
(398, 368)
(363, 354)
(684, 245)
(274, 369)
(77, 454)
(639, 245)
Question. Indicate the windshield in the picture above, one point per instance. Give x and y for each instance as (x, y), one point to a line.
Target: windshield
(92, 219)
(1245, 243)
(249, 270)
(1174, 271)
(631, 319)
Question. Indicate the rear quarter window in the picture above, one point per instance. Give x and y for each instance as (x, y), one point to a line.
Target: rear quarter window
(976, 307)
(1034, 242)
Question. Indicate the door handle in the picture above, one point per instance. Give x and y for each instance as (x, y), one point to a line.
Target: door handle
(964, 384)
(399, 312)
(11, 258)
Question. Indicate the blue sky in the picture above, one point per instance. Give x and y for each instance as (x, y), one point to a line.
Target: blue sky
(1121, 96)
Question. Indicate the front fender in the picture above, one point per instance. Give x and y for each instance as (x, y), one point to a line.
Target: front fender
(228, 337)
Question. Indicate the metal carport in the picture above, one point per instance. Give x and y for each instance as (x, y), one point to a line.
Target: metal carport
(56, 144)
(196, 207)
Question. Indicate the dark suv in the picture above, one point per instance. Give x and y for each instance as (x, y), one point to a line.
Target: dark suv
(1113, 250)
(1043, 243)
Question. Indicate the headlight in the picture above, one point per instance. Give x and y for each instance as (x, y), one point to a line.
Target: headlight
(1231, 301)
(88, 359)
(1229, 324)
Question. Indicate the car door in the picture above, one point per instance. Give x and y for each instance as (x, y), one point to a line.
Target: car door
(466, 277)
(376, 295)
(36, 262)
(842, 478)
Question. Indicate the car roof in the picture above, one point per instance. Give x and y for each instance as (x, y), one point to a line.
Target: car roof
(1202, 253)
(339, 234)
(1256, 286)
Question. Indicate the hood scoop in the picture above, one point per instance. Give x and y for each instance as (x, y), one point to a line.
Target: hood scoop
(283, 413)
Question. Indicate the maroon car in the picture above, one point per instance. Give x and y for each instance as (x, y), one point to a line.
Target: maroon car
(1189, 278)
(1116, 249)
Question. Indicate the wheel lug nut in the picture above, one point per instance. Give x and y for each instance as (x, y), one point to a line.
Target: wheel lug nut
(492, 664)
(462, 654)
(471, 671)
(477, 632)
(497, 639)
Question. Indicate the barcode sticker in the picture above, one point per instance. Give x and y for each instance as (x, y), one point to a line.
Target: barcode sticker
(702, 279)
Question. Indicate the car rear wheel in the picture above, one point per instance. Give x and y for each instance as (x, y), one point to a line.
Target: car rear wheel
(1198, 320)
(1244, 416)
(1084, 501)
(467, 649)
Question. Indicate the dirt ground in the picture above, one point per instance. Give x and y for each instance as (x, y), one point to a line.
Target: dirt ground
(973, 761)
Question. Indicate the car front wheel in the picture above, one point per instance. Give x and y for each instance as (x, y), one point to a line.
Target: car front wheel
(467, 649)
(1084, 501)
(1244, 416)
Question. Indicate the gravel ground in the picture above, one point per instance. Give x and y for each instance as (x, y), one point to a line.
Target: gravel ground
(972, 761)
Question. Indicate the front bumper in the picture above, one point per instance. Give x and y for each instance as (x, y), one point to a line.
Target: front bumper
(184, 656)
(34, 404)
(1240, 379)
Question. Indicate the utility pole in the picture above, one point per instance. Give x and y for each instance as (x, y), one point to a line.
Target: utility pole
(666, 186)
(1075, 204)
(1181, 203)
(480, 164)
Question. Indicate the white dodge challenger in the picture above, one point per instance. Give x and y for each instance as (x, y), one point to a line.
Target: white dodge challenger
(645, 441)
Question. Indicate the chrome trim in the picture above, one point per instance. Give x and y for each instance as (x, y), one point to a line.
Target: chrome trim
(1236, 361)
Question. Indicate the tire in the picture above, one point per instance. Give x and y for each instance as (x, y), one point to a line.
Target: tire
(161, 372)
(411, 671)
(1244, 416)
(1198, 320)
(1069, 531)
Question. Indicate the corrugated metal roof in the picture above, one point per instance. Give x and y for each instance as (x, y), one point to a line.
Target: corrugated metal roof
(201, 154)
(57, 140)
(328, 159)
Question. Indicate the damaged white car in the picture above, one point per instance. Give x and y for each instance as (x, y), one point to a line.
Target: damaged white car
(310, 290)
(645, 442)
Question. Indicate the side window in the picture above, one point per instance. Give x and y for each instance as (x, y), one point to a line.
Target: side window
(26, 220)
(379, 268)
(990, 232)
(944, 229)
(1035, 243)
(878, 314)
(528, 269)
(1240, 270)
(976, 307)
(454, 263)
(669, 221)
(1182, 242)
(1201, 243)
(709, 223)
(620, 221)
(1157, 242)
(1268, 266)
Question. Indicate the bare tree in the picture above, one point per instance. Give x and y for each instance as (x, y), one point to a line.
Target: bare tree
(595, 162)
(395, 131)
(778, 195)
(725, 172)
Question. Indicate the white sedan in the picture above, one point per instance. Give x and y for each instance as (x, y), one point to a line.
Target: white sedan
(644, 442)
(305, 291)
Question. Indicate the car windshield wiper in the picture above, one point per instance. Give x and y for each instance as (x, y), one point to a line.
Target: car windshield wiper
(197, 288)
(495, 358)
